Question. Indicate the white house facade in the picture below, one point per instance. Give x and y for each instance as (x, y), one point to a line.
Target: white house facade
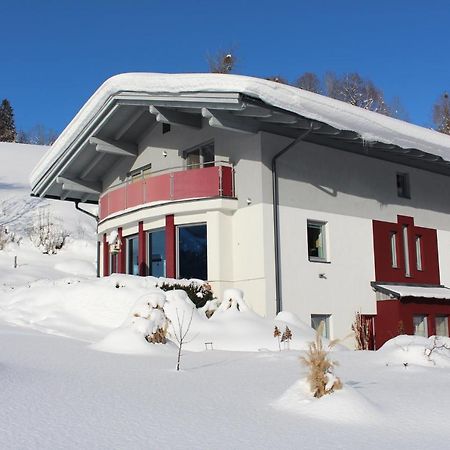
(307, 204)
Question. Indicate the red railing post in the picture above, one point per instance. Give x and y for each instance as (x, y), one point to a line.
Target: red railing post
(170, 247)
(105, 256)
(142, 251)
(121, 265)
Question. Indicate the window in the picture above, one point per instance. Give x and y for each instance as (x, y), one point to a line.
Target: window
(132, 256)
(441, 325)
(140, 172)
(316, 320)
(157, 253)
(165, 128)
(394, 262)
(200, 156)
(420, 325)
(403, 190)
(316, 241)
(418, 252)
(192, 252)
(406, 251)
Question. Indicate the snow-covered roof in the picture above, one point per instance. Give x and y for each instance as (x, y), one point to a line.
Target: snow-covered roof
(400, 291)
(370, 126)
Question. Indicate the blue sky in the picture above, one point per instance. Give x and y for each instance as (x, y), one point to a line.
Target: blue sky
(59, 52)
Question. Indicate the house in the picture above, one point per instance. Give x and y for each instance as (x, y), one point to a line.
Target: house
(308, 204)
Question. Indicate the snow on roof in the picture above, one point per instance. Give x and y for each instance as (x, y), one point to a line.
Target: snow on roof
(397, 290)
(369, 125)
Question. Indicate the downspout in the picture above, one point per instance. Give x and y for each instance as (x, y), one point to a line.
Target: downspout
(276, 215)
(94, 216)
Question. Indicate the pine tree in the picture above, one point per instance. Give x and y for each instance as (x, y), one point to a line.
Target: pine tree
(441, 114)
(7, 126)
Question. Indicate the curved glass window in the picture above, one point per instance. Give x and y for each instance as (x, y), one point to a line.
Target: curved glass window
(192, 251)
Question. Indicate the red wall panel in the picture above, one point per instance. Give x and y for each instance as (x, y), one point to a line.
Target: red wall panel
(227, 181)
(382, 249)
(170, 247)
(387, 321)
(105, 256)
(142, 252)
(396, 316)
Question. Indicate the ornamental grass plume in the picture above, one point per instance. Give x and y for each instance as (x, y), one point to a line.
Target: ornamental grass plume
(321, 377)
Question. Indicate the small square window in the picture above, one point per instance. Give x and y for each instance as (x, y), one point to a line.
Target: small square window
(165, 128)
(442, 326)
(317, 241)
(317, 319)
(420, 325)
(403, 187)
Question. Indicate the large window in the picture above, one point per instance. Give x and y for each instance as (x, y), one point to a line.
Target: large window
(132, 255)
(420, 325)
(200, 156)
(442, 325)
(316, 241)
(156, 253)
(317, 319)
(192, 252)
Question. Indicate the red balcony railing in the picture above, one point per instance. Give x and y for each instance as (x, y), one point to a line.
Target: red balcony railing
(173, 184)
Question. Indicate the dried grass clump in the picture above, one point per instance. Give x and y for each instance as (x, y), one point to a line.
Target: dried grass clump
(321, 377)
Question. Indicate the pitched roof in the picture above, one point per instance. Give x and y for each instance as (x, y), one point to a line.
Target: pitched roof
(369, 126)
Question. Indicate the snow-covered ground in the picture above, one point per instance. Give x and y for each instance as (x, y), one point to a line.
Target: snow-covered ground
(76, 372)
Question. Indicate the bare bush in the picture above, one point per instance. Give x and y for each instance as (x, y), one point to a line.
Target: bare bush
(361, 328)
(223, 61)
(180, 333)
(46, 233)
(321, 377)
(7, 237)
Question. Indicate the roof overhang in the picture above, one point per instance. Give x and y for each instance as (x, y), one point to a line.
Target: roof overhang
(110, 125)
(410, 291)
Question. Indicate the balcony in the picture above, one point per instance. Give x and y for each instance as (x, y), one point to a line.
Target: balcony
(178, 183)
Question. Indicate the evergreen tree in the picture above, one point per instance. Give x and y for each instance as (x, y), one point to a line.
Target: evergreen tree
(7, 126)
(441, 114)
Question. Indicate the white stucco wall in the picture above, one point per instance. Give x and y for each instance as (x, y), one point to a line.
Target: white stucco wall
(345, 190)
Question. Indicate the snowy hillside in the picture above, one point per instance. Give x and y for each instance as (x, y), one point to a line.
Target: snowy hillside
(77, 372)
(18, 212)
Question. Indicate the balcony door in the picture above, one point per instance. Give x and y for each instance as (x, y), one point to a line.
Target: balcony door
(201, 156)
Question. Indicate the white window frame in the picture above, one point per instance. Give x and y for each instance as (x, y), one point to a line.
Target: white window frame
(425, 322)
(200, 147)
(406, 250)
(441, 316)
(326, 319)
(177, 244)
(147, 250)
(128, 240)
(419, 256)
(324, 238)
(393, 243)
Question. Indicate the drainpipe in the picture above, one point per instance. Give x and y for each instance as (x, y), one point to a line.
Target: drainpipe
(276, 215)
(98, 242)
